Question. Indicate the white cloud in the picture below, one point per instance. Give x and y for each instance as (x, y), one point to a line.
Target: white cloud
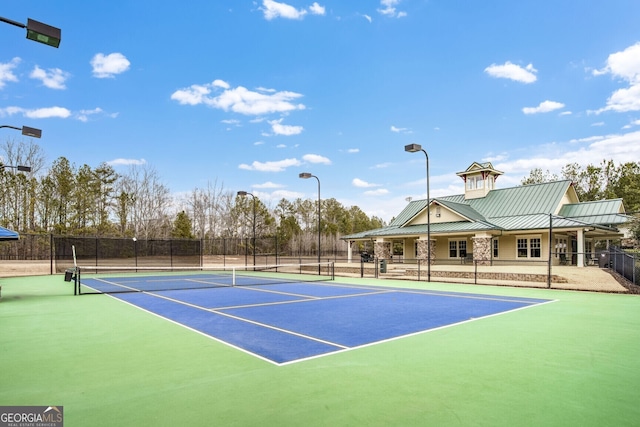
(353, 150)
(83, 115)
(553, 157)
(512, 71)
(126, 162)
(239, 99)
(357, 182)
(288, 130)
(368, 18)
(105, 66)
(277, 166)
(316, 9)
(286, 194)
(400, 130)
(316, 158)
(6, 71)
(544, 107)
(389, 9)
(38, 113)
(54, 78)
(623, 100)
(268, 184)
(624, 65)
(273, 9)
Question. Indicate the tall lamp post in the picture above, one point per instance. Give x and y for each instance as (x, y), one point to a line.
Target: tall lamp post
(307, 175)
(37, 31)
(26, 130)
(244, 194)
(413, 148)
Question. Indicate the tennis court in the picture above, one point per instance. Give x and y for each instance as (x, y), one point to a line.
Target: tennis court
(570, 362)
(293, 321)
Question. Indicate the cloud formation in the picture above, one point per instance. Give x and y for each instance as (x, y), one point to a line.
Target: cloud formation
(543, 107)
(37, 113)
(53, 78)
(316, 158)
(276, 166)
(279, 129)
(238, 100)
(108, 66)
(514, 72)
(273, 9)
(389, 9)
(6, 72)
(625, 66)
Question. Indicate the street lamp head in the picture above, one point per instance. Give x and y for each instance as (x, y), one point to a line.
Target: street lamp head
(413, 148)
(24, 168)
(305, 175)
(43, 33)
(242, 193)
(32, 132)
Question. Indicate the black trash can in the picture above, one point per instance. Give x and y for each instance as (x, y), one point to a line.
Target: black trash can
(383, 266)
(603, 260)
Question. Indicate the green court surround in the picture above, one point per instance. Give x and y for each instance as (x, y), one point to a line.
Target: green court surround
(575, 362)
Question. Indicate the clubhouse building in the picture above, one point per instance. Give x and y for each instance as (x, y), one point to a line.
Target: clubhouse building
(486, 225)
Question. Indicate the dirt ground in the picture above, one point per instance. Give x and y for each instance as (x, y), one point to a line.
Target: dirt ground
(585, 279)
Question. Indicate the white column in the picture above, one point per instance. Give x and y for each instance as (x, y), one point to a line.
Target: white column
(580, 260)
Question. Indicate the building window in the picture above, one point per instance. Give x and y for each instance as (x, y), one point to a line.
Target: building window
(495, 248)
(560, 247)
(536, 246)
(529, 247)
(479, 184)
(471, 183)
(523, 248)
(453, 249)
(457, 248)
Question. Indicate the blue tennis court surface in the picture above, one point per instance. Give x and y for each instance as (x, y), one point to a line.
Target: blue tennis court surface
(284, 323)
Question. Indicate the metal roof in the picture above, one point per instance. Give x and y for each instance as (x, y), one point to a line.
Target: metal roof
(528, 207)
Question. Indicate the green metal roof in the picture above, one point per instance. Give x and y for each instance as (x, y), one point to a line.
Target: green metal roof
(518, 208)
(598, 212)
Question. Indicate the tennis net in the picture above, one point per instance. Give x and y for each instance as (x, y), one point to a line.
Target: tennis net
(113, 279)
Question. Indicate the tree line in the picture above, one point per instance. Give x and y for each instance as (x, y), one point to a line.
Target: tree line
(67, 200)
(97, 201)
(599, 182)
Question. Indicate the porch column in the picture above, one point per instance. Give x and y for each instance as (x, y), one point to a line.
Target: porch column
(482, 249)
(382, 249)
(423, 249)
(349, 250)
(580, 258)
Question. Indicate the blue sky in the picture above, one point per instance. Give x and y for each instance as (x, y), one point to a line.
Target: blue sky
(248, 94)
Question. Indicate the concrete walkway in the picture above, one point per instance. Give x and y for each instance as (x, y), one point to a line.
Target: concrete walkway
(590, 278)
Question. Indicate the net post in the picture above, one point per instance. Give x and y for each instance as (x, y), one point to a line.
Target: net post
(233, 276)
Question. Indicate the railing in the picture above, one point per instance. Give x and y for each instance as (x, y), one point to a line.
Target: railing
(624, 263)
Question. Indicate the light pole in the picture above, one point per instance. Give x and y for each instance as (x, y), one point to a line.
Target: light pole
(37, 31)
(413, 148)
(26, 130)
(244, 194)
(19, 168)
(307, 175)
